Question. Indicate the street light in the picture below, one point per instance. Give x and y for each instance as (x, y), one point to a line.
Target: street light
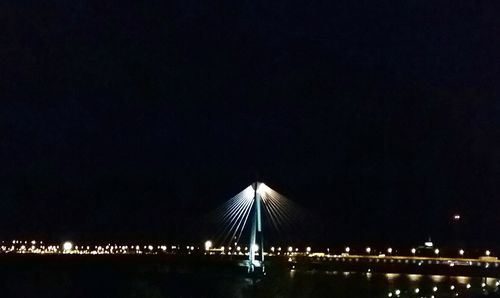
(368, 250)
(488, 253)
(413, 251)
(67, 246)
(436, 251)
(389, 250)
(461, 252)
(208, 245)
(347, 249)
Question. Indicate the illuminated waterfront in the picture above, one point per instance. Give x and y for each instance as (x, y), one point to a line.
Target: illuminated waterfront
(161, 270)
(225, 268)
(75, 278)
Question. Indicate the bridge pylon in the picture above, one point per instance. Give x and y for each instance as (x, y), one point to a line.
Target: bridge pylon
(256, 262)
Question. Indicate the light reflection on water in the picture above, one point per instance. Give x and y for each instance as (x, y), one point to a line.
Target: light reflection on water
(406, 285)
(414, 277)
(464, 280)
(391, 277)
(157, 282)
(441, 286)
(492, 282)
(437, 278)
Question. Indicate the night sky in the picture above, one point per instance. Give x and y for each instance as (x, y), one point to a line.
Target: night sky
(132, 120)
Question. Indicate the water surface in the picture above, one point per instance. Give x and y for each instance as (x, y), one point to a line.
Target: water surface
(162, 281)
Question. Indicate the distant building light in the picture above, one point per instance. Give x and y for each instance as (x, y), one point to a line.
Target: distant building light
(429, 244)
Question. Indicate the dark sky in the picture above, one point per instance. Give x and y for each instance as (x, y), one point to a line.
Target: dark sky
(128, 120)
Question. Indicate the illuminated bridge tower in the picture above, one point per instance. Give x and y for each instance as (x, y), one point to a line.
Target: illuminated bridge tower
(256, 263)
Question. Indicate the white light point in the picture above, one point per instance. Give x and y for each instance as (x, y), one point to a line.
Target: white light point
(208, 245)
(67, 246)
(248, 193)
(262, 188)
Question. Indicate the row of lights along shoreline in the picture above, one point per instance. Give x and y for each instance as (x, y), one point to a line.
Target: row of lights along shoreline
(428, 250)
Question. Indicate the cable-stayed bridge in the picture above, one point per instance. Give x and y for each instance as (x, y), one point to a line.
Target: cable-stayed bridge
(246, 212)
(245, 217)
